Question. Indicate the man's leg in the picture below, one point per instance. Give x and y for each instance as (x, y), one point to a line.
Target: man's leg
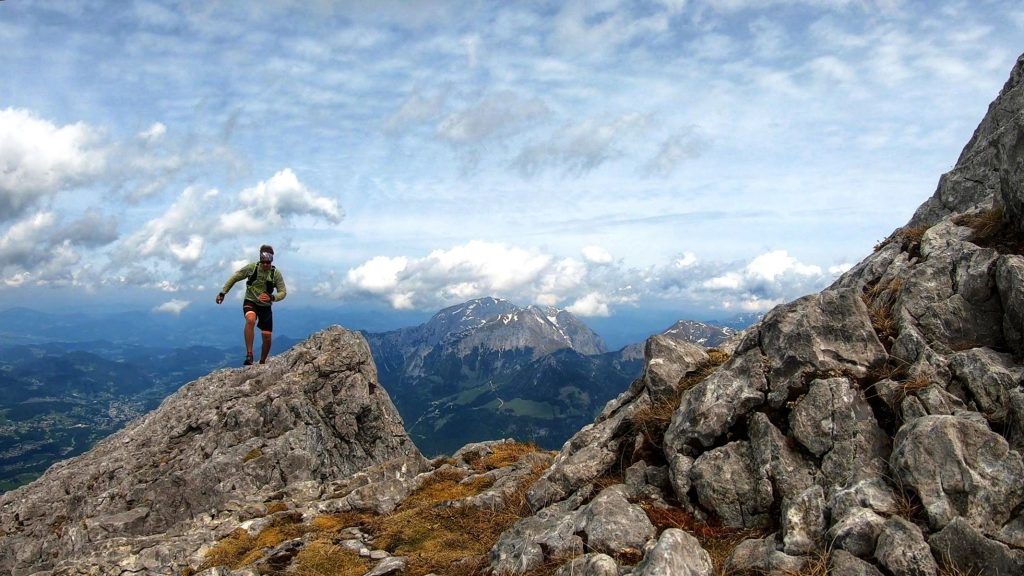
(267, 338)
(250, 332)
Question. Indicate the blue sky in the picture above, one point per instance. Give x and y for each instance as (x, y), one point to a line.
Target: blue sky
(598, 156)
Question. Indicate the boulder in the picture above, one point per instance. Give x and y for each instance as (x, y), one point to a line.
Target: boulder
(902, 550)
(959, 467)
(729, 485)
(966, 550)
(677, 554)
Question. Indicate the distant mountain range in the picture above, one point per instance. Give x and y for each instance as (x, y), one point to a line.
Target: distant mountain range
(490, 369)
(480, 370)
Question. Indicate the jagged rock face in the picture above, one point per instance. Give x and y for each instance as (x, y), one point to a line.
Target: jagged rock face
(898, 387)
(313, 414)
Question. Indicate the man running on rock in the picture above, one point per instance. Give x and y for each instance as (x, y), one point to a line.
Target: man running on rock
(262, 279)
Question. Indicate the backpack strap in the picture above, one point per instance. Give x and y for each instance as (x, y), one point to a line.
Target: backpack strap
(252, 275)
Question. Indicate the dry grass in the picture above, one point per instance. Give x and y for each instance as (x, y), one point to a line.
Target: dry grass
(276, 506)
(440, 539)
(992, 230)
(240, 549)
(986, 225)
(322, 558)
(503, 455)
(719, 541)
(252, 455)
(816, 566)
(880, 298)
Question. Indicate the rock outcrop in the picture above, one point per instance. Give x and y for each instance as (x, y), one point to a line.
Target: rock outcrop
(219, 449)
(873, 428)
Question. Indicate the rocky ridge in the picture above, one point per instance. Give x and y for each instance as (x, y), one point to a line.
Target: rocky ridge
(219, 449)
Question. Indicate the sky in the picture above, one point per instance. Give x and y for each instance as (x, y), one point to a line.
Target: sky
(602, 156)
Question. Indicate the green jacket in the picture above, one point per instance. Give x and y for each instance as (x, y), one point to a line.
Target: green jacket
(253, 291)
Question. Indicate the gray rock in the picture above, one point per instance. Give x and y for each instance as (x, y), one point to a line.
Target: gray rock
(761, 556)
(872, 493)
(842, 563)
(982, 165)
(1010, 283)
(667, 361)
(964, 548)
(902, 551)
(959, 468)
(834, 421)
(790, 471)
(679, 468)
(314, 413)
(803, 522)
(988, 376)
(824, 333)
(591, 564)
(389, 566)
(613, 525)
(856, 531)
(709, 409)
(676, 553)
(548, 533)
(728, 484)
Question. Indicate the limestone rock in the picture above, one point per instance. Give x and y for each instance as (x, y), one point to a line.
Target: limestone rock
(959, 468)
(968, 551)
(676, 553)
(901, 549)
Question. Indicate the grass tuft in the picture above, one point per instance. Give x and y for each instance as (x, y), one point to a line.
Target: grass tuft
(240, 549)
(322, 558)
(252, 455)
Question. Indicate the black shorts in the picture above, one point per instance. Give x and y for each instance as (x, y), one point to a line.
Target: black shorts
(264, 315)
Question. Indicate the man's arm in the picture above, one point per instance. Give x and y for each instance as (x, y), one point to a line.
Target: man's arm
(243, 272)
(282, 290)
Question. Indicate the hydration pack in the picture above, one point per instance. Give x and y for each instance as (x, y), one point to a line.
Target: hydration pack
(270, 286)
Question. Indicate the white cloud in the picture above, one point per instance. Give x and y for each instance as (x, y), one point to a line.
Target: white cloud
(770, 266)
(379, 275)
(592, 304)
(154, 133)
(172, 307)
(38, 158)
(26, 241)
(686, 260)
(274, 201)
(596, 255)
(189, 216)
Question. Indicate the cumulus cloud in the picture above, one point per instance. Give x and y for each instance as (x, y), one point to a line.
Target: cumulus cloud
(592, 304)
(188, 217)
(39, 158)
(581, 147)
(596, 255)
(273, 202)
(26, 241)
(172, 307)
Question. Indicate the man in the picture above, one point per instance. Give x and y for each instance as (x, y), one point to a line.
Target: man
(262, 280)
